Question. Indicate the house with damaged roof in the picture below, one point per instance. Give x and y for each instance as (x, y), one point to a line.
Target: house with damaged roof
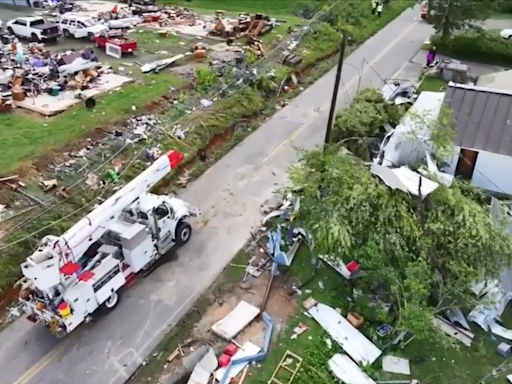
(482, 117)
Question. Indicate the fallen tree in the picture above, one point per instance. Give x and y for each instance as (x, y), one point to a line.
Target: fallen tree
(419, 255)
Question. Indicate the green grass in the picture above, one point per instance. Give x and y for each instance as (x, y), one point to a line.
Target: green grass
(151, 41)
(35, 136)
(432, 84)
(270, 7)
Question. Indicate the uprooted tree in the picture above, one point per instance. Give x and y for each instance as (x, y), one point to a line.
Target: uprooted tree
(421, 255)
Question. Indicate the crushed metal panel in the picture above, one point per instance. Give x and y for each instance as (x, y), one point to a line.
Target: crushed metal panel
(347, 371)
(204, 369)
(404, 179)
(235, 321)
(353, 342)
(456, 316)
(464, 337)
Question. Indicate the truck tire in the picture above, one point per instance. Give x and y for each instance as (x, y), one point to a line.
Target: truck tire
(111, 302)
(66, 33)
(60, 332)
(183, 233)
(90, 36)
(35, 38)
(11, 31)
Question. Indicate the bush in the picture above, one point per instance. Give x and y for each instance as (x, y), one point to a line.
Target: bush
(481, 47)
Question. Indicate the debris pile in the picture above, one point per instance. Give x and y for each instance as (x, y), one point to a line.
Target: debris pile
(33, 78)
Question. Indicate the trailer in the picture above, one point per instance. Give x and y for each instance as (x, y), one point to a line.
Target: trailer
(70, 278)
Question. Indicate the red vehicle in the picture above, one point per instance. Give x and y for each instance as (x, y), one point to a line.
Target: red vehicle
(111, 39)
(423, 10)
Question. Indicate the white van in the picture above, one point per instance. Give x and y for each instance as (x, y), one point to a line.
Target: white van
(77, 26)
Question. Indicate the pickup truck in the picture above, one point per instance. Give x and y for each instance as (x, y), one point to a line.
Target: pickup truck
(33, 28)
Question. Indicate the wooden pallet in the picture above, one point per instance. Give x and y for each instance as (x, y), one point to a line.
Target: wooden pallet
(288, 355)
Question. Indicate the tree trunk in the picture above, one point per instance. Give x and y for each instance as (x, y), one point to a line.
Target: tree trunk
(445, 33)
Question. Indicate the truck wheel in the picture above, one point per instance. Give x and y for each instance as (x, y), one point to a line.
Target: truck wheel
(34, 38)
(111, 302)
(11, 31)
(60, 332)
(90, 35)
(183, 233)
(66, 33)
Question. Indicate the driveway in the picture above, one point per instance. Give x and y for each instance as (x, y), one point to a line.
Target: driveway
(229, 193)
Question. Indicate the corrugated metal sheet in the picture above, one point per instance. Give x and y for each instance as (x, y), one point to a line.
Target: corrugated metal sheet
(483, 118)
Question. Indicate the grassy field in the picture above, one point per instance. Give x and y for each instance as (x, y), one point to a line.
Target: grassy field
(25, 137)
(432, 84)
(284, 7)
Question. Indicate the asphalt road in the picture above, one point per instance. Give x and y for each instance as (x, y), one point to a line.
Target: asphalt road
(230, 193)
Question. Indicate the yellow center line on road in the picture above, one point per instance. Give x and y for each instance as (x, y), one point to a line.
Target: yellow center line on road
(34, 370)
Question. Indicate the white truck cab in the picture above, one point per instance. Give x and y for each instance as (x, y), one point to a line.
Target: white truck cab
(34, 28)
(72, 25)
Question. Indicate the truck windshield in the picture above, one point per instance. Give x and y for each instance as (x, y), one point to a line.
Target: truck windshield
(88, 23)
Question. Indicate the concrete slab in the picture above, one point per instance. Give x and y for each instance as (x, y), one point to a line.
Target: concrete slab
(51, 105)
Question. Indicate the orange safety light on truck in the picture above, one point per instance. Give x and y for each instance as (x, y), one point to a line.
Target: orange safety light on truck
(64, 310)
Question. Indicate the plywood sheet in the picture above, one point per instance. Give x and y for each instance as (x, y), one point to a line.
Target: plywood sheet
(235, 321)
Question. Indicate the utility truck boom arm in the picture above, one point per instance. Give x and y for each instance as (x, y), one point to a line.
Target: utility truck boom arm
(74, 242)
(68, 278)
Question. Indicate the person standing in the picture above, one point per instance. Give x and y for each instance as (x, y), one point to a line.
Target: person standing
(379, 8)
(431, 57)
(374, 6)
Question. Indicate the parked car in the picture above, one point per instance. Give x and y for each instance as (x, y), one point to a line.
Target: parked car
(506, 33)
(72, 25)
(33, 28)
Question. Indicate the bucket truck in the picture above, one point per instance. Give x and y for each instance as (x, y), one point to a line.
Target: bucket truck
(70, 277)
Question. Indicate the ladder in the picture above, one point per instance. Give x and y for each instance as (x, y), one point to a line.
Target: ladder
(291, 363)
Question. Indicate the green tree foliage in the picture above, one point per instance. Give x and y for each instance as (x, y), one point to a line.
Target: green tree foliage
(364, 119)
(448, 16)
(421, 256)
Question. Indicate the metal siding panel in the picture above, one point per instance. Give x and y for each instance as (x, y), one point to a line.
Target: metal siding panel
(454, 102)
(482, 135)
(498, 125)
(505, 143)
(466, 128)
(483, 120)
(488, 119)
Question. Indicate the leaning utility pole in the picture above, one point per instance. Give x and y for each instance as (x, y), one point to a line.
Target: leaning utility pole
(337, 81)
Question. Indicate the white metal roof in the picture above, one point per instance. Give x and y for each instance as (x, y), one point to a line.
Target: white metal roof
(423, 112)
